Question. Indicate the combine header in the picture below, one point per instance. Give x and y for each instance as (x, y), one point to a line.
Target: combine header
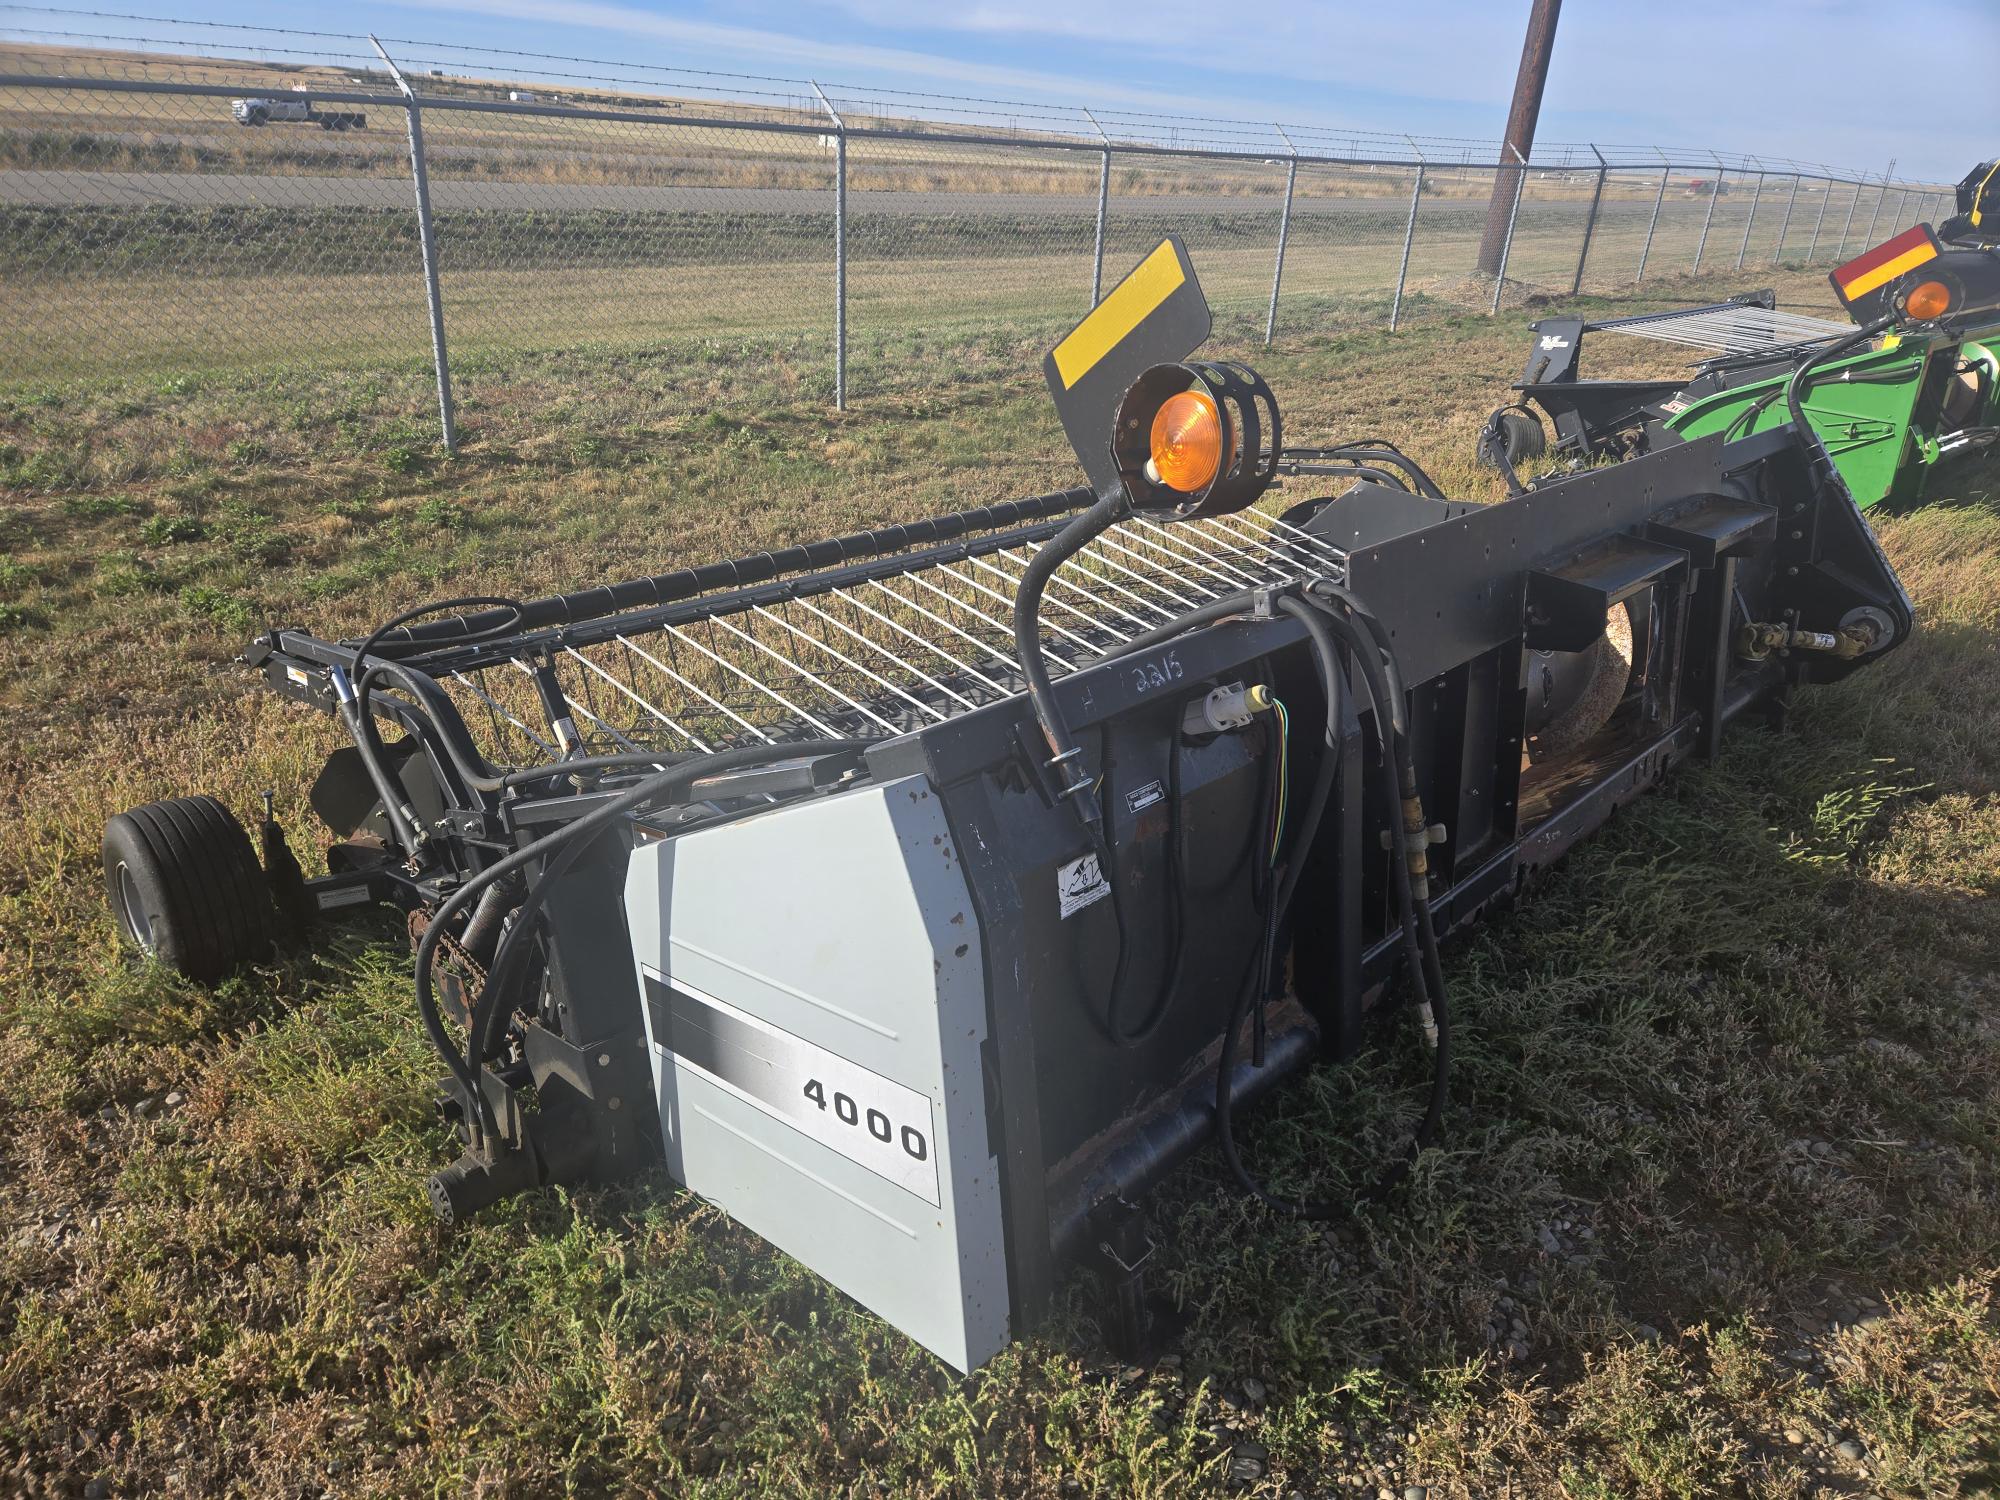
(1888, 407)
(923, 895)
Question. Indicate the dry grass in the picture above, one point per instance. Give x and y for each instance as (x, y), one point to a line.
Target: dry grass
(1730, 1079)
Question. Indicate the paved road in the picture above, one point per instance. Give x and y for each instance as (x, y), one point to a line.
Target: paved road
(150, 189)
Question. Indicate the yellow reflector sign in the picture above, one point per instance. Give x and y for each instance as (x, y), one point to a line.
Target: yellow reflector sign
(1159, 275)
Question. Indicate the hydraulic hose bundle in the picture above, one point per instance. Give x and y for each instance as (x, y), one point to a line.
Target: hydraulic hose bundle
(672, 774)
(1339, 627)
(560, 849)
(1338, 624)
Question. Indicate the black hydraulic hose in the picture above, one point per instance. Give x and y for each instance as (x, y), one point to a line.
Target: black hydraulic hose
(360, 718)
(510, 614)
(1797, 386)
(485, 778)
(501, 971)
(624, 760)
(1322, 625)
(1377, 450)
(1240, 603)
(480, 776)
(369, 740)
(1419, 939)
(659, 784)
(1204, 614)
(1349, 470)
(1418, 881)
(1746, 419)
(1164, 995)
(1325, 658)
(368, 745)
(1063, 749)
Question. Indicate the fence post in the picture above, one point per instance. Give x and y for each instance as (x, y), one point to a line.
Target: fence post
(1785, 224)
(1901, 198)
(1756, 200)
(1847, 225)
(1589, 223)
(1513, 213)
(427, 244)
(1409, 237)
(1714, 192)
(1825, 197)
(1647, 248)
(1868, 236)
(1284, 233)
(1103, 203)
(839, 249)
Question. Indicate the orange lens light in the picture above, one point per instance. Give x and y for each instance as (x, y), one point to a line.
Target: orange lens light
(1927, 300)
(1187, 442)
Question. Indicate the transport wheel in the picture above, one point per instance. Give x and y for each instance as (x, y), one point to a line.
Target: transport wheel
(1522, 436)
(186, 888)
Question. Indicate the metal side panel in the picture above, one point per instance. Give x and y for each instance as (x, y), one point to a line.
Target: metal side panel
(815, 1007)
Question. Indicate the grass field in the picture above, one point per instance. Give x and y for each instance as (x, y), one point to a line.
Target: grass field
(1715, 1213)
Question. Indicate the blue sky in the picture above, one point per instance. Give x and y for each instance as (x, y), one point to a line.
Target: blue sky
(1840, 81)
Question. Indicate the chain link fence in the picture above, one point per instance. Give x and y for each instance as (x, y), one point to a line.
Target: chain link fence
(166, 212)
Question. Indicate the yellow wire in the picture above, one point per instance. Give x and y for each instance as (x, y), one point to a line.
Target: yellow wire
(1284, 775)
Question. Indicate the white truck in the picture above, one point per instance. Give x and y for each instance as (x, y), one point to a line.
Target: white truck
(265, 109)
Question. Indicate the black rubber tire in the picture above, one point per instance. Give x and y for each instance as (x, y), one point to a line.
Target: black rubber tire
(1523, 438)
(185, 886)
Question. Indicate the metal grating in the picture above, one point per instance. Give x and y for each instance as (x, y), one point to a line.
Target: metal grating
(833, 654)
(1729, 330)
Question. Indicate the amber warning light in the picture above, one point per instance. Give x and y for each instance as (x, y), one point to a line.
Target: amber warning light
(1928, 300)
(1188, 440)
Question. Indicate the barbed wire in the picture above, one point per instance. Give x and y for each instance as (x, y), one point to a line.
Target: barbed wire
(888, 107)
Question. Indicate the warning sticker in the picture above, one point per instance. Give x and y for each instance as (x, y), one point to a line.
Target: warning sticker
(1079, 883)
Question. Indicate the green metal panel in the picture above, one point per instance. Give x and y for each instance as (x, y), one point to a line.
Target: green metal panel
(1863, 409)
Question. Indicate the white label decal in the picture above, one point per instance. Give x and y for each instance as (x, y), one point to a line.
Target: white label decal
(298, 675)
(1079, 883)
(873, 1121)
(1145, 796)
(1554, 341)
(353, 895)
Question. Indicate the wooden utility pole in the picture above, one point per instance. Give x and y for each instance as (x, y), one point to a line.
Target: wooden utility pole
(1527, 108)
